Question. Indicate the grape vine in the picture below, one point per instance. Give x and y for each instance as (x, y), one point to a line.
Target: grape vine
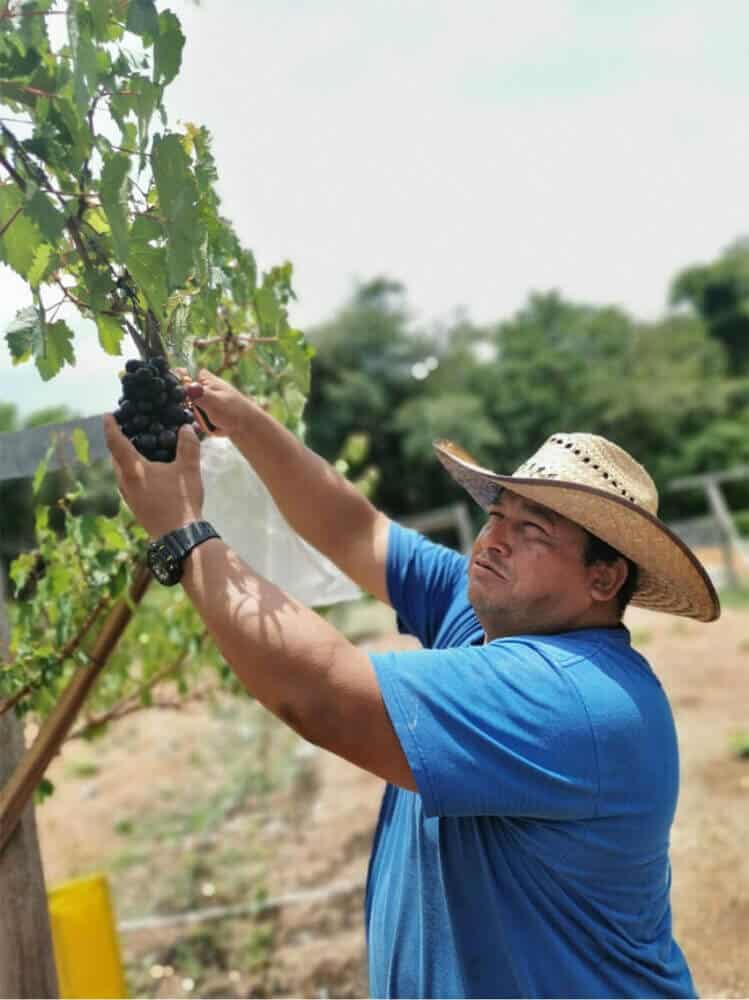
(111, 215)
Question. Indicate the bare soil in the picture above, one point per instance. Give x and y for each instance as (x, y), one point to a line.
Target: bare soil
(314, 830)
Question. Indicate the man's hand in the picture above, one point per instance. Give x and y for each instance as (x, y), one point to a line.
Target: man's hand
(162, 495)
(226, 407)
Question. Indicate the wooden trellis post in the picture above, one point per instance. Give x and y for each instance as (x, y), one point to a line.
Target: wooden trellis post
(731, 543)
(27, 963)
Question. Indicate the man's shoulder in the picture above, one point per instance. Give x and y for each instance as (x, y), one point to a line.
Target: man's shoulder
(568, 648)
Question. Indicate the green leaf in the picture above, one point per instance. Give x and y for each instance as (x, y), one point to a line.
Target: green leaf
(41, 469)
(141, 99)
(178, 199)
(50, 220)
(60, 578)
(110, 334)
(43, 790)
(178, 329)
(147, 265)
(167, 48)
(110, 534)
(142, 18)
(39, 267)
(41, 517)
(20, 569)
(80, 445)
(114, 190)
(85, 68)
(101, 13)
(23, 334)
(21, 236)
(56, 350)
(268, 312)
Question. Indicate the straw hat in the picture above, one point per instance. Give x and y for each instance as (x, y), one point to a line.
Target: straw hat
(599, 486)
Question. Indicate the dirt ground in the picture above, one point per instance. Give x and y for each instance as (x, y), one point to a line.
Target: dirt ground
(318, 832)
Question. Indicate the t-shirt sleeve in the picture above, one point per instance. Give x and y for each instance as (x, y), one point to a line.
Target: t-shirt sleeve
(495, 730)
(423, 579)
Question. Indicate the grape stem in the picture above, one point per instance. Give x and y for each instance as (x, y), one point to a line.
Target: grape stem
(242, 339)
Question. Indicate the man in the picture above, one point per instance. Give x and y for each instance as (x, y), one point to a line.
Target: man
(530, 753)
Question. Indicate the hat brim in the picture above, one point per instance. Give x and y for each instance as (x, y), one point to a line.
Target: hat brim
(670, 578)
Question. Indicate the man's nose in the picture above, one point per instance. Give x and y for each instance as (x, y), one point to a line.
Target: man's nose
(497, 535)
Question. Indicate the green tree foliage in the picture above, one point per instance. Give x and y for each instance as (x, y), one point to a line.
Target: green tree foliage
(569, 366)
(659, 389)
(361, 375)
(718, 292)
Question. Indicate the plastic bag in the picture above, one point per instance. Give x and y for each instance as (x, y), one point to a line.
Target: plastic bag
(243, 512)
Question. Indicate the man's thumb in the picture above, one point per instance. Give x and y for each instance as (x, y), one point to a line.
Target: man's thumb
(188, 444)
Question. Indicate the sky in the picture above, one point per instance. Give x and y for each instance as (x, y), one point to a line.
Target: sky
(475, 150)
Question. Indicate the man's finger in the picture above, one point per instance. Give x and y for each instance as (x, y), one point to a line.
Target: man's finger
(123, 452)
(188, 445)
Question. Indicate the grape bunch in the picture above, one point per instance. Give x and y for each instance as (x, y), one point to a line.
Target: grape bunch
(152, 408)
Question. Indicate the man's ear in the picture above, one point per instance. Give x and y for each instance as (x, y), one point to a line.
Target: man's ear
(606, 579)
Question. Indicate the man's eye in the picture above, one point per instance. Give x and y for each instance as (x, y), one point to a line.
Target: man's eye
(532, 524)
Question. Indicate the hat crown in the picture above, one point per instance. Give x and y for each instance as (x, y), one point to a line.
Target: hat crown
(590, 460)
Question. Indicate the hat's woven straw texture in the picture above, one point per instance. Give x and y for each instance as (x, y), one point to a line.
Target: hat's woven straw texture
(599, 486)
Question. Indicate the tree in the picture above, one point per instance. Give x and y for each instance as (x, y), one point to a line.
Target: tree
(569, 366)
(718, 292)
(363, 372)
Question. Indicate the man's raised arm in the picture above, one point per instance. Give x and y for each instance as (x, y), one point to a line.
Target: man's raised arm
(318, 503)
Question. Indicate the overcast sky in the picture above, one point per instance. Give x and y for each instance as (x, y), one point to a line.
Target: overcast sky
(473, 149)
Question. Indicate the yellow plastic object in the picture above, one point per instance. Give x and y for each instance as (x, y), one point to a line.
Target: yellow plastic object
(87, 952)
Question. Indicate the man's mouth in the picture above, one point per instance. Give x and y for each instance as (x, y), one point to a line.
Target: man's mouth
(483, 564)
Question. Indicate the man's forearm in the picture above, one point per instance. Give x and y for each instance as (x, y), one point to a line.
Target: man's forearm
(294, 662)
(279, 649)
(314, 498)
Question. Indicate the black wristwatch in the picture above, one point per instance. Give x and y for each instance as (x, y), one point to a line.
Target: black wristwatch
(166, 554)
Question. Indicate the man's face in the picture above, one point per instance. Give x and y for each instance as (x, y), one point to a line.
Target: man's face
(526, 572)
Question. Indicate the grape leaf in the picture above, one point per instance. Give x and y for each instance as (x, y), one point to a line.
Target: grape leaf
(85, 68)
(114, 190)
(110, 333)
(142, 18)
(21, 238)
(80, 445)
(167, 48)
(23, 334)
(109, 534)
(41, 472)
(39, 268)
(50, 220)
(178, 199)
(101, 12)
(147, 265)
(268, 311)
(56, 349)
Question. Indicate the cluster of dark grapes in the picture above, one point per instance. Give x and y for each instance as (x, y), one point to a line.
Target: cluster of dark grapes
(151, 408)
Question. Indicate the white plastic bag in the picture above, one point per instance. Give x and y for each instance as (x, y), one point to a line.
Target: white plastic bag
(243, 512)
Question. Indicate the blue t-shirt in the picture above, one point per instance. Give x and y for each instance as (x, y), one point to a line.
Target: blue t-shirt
(533, 859)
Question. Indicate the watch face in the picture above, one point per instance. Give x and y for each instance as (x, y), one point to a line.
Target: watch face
(163, 565)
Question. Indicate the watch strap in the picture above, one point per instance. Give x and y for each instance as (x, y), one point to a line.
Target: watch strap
(182, 541)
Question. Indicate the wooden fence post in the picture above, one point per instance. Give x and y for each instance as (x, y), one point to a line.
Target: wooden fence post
(27, 962)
